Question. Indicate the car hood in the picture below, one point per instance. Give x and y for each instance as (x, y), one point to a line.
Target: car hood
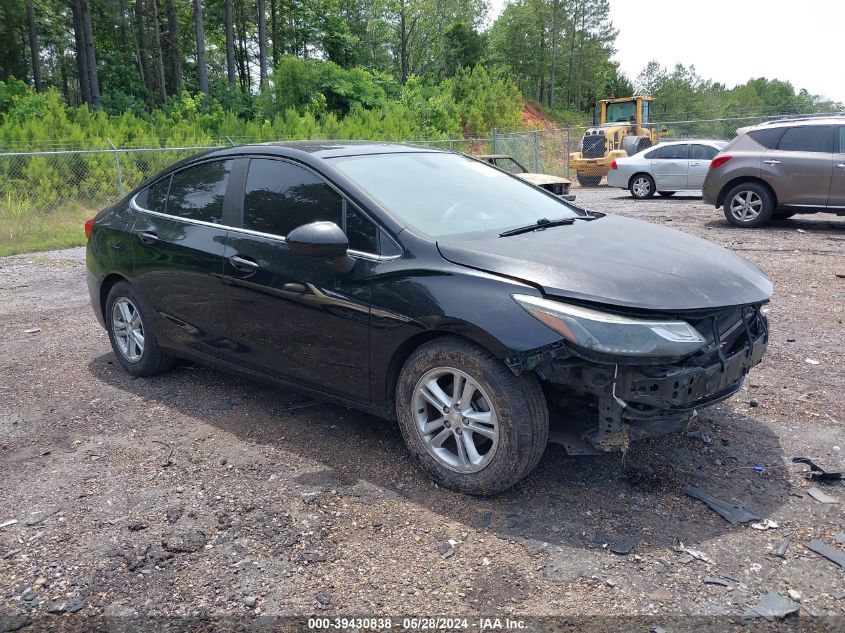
(619, 261)
(543, 179)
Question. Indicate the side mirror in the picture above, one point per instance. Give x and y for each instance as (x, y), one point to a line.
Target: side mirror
(318, 239)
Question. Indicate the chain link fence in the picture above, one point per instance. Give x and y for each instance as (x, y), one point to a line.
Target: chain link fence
(52, 174)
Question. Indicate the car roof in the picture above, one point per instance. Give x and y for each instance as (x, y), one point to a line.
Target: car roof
(323, 148)
(805, 120)
(685, 141)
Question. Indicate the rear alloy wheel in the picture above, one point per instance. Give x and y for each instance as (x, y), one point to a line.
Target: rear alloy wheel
(469, 422)
(642, 186)
(589, 181)
(131, 333)
(748, 205)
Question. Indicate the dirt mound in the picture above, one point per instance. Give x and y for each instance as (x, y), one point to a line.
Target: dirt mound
(533, 117)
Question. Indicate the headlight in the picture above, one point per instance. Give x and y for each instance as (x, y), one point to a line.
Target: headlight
(614, 334)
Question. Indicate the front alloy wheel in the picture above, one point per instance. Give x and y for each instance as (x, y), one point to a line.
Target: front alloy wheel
(467, 419)
(455, 419)
(128, 329)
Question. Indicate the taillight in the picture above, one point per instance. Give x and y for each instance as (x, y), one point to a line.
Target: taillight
(89, 226)
(613, 165)
(719, 161)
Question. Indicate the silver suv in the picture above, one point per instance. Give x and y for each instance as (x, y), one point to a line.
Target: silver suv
(777, 169)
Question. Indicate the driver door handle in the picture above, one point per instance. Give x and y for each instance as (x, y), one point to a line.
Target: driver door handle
(244, 264)
(772, 161)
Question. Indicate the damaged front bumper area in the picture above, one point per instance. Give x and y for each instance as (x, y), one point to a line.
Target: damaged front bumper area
(605, 405)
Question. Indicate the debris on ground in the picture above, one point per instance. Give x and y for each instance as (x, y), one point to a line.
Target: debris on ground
(781, 550)
(713, 580)
(447, 548)
(43, 517)
(621, 546)
(8, 522)
(33, 330)
(765, 524)
(772, 606)
(795, 596)
(694, 554)
(817, 472)
(700, 435)
(820, 496)
(840, 538)
(731, 513)
(831, 553)
(297, 406)
(811, 361)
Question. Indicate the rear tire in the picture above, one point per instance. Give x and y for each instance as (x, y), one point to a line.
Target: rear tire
(507, 446)
(132, 334)
(641, 186)
(589, 181)
(748, 205)
(666, 194)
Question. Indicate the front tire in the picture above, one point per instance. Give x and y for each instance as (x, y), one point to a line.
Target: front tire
(748, 205)
(469, 422)
(131, 333)
(641, 186)
(589, 181)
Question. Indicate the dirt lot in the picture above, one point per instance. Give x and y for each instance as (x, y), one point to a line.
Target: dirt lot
(201, 494)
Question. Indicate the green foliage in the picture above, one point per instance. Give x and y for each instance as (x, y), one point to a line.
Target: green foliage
(485, 101)
(464, 47)
(682, 94)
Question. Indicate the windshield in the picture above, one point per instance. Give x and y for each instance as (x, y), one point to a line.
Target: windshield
(449, 194)
(621, 112)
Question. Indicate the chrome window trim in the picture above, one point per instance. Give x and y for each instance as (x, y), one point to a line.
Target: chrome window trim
(133, 204)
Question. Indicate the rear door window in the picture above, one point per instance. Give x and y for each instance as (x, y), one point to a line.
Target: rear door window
(673, 152)
(154, 197)
(840, 140)
(197, 193)
(807, 138)
(702, 152)
(280, 196)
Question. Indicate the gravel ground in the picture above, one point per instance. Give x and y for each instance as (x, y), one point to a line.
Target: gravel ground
(198, 493)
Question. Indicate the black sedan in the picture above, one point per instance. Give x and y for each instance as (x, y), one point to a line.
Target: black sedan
(427, 287)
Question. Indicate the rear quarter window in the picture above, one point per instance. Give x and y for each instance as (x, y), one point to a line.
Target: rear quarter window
(767, 137)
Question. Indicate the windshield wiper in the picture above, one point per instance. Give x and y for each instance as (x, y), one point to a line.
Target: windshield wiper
(542, 223)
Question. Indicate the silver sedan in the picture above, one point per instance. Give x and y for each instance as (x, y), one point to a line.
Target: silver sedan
(665, 168)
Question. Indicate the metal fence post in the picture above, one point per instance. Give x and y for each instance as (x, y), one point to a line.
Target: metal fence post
(536, 151)
(568, 149)
(495, 141)
(117, 164)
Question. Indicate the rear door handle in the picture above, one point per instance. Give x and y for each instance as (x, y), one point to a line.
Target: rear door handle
(148, 237)
(244, 264)
(772, 162)
(695, 164)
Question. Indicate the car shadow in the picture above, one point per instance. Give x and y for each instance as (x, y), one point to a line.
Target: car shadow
(567, 501)
(659, 198)
(815, 223)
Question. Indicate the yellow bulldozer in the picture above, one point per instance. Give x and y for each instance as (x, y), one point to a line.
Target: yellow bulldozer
(620, 128)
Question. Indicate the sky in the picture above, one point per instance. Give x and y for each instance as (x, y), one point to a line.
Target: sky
(732, 41)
